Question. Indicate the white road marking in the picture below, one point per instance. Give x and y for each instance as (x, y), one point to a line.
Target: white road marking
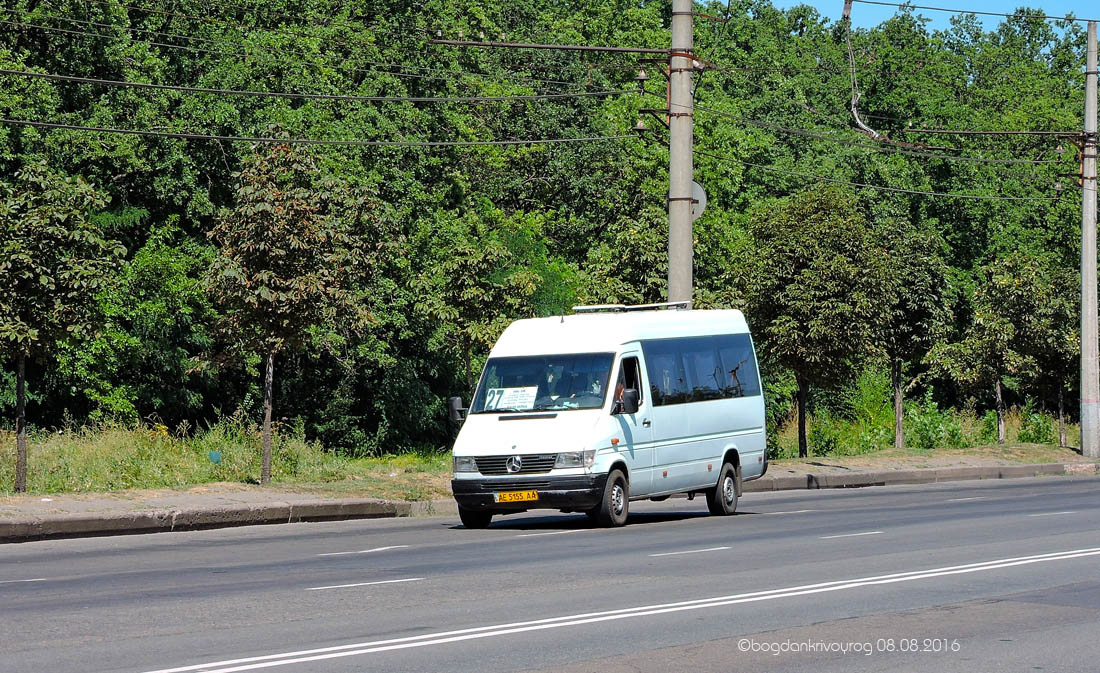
(693, 551)
(1051, 513)
(365, 551)
(439, 638)
(37, 579)
(795, 511)
(977, 497)
(833, 537)
(365, 584)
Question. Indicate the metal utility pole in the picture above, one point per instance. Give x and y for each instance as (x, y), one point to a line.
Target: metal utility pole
(1090, 358)
(681, 67)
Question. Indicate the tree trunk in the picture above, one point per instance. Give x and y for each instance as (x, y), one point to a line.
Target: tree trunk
(803, 389)
(1000, 412)
(1061, 417)
(21, 424)
(265, 468)
(899, 411)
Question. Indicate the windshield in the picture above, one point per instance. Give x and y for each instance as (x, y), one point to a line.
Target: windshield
(543, 382)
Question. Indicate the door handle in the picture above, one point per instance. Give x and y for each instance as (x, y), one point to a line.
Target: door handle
(646, 423)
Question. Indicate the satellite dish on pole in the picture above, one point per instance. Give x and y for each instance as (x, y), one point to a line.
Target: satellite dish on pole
(698, 200)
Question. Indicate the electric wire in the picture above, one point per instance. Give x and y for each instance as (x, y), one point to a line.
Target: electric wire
(976, 197)
(312, 96)
(907, 5)
(853, 143)
(222, 22)
(443, 75)
(308, 141)
(877, 148)
(278, 29)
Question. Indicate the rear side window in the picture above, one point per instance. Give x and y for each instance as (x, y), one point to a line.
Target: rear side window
(738, 366)
(697, 369)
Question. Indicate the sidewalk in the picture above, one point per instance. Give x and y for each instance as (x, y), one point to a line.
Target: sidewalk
(37, 517)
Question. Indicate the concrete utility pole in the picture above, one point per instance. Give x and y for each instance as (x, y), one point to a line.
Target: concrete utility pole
(681, 67)
(1090, 359)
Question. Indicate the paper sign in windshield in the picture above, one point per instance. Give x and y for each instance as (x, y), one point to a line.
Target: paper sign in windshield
(511, 398)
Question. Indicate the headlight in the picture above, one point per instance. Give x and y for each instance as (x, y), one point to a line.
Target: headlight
(576, 459)
(465, 464)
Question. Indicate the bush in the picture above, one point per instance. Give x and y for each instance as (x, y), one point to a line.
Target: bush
(989, 427)
(927, 427)
(1036, 427)
(824, 435)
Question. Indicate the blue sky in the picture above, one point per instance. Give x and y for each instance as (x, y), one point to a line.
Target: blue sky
(866, 16)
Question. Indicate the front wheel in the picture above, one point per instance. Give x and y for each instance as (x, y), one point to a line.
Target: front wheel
(722, 499)
(614, 507)
(474, 519)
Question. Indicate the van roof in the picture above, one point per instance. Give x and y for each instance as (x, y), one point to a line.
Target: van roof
(606, 332)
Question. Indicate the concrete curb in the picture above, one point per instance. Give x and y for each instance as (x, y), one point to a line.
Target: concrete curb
(27, 529)
(918, 476)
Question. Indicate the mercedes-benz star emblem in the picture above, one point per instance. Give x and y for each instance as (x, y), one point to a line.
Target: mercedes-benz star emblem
(514, 464)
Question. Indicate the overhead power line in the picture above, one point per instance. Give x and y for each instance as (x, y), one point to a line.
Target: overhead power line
(976, 197)
(435, 74)
(230, 24)
(994, 133)
(178, 36)
(907, 5)
(313, 96)
(308, 141)
(877, 148)
(558, 47)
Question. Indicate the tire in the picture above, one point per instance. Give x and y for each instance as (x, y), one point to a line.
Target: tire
(474, 518)
(722, 499)
(615, 505)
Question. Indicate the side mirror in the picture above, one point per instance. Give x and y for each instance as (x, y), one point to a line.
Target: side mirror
(456, 410)
(630, 401)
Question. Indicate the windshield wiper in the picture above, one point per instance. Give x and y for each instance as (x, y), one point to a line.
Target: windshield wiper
(502, 411)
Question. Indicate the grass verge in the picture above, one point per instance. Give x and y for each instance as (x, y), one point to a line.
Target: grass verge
(115, 459)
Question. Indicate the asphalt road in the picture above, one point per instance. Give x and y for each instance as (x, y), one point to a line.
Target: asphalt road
(964, 576)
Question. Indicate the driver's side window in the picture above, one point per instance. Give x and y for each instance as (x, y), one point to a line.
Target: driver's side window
(629, 378)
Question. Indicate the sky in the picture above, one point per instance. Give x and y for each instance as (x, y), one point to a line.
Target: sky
(867, 16)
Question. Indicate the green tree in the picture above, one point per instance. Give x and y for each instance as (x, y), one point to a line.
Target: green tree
(917, 313)
(814, 278)
(488, 270)
(998, 349)
(53, 262)
(285, 265)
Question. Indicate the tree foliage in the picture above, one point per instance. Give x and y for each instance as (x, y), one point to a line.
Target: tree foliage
(442, 246)
(54, 260)
(814, 278)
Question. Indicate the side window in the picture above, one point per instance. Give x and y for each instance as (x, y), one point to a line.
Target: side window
(700, 357)
(738, 366)
(629, 377)
(668, 382)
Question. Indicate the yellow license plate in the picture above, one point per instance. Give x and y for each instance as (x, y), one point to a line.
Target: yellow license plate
(516, 496)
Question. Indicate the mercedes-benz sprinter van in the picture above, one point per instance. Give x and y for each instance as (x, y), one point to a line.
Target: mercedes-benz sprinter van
(587, 412)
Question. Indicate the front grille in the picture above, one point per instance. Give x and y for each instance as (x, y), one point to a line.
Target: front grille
(539, 464)
(513, 486)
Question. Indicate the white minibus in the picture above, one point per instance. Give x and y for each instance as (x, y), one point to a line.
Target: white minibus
(589, 411)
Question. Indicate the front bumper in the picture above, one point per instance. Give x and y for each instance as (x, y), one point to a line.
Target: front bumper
(573, 493)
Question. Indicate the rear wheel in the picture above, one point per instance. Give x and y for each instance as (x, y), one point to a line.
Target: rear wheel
(474, 518)
(722, 499)
(615, 505)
